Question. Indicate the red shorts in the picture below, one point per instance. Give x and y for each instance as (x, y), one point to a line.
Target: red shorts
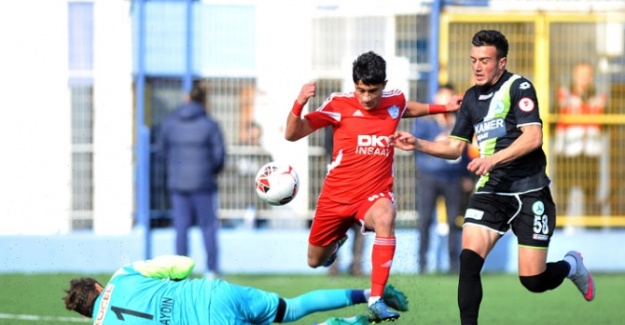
(333, 219)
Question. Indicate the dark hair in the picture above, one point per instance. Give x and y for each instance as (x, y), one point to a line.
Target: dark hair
(198, 93)
(492, 38)
(370, 68)
(449, 86)
(81, 296)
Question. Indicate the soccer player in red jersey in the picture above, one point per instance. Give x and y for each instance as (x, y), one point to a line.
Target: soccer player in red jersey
(359, 183)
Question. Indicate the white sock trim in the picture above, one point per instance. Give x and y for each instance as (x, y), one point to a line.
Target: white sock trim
(373, 299)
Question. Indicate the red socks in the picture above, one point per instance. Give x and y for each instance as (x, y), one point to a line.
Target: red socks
(381, 259)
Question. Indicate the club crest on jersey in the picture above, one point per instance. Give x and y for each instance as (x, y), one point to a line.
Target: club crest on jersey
(499, 107)
(393, 111)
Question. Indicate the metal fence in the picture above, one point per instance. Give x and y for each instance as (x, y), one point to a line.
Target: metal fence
(81, 101)
(232, 101)
(584, 148)
(543, 47)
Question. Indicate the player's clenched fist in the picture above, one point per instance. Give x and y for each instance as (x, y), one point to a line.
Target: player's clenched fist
(480, 166)
(403, 140)
(308, 90)
(454, 103)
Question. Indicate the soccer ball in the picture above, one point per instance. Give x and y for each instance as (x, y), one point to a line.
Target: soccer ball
(277, 183)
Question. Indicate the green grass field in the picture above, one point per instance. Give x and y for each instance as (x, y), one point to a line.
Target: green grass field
(36, 299)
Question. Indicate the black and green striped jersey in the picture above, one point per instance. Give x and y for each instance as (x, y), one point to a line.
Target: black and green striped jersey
(494, 116)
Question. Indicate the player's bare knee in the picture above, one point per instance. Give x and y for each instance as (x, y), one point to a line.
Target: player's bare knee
(384, 223)
(314, 262)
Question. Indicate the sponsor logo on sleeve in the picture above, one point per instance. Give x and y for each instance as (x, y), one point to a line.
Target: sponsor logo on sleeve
(526, 104)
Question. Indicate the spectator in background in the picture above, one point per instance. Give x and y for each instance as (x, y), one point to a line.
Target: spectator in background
(579, 146)
(192, 144)
(438, 177)
(250, 132)
(251, 157)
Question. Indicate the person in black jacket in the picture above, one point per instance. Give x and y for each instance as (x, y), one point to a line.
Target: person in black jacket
(192, 145)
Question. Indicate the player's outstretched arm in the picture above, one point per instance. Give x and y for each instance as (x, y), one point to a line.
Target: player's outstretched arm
(403, 140)
(174, 267)
(296, 126)
(450, 148)
(530, 140)
(416, 109)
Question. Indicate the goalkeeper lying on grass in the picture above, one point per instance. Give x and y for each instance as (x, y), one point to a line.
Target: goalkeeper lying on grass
(157, 291)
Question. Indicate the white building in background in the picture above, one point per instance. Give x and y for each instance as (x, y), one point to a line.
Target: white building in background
(68, 113)
(40, 85)
(35, 120)
(67, 118)
(66, 86)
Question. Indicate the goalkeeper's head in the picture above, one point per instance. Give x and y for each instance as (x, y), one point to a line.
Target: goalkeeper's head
(81, 295)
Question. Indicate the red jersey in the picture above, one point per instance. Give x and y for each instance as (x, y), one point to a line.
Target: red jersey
(362, 160)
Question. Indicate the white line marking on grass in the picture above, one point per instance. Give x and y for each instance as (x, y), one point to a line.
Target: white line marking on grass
(46, 318)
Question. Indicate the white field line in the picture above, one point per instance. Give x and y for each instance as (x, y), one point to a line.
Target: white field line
(36, 318)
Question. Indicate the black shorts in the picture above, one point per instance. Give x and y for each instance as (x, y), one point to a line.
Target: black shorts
(532, 216)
